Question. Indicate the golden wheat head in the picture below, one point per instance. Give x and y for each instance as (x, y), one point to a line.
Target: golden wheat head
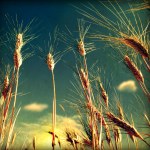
(81, 48)
(50, 61)
(133, 68)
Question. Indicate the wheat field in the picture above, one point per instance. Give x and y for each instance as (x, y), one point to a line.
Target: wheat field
(74, 75)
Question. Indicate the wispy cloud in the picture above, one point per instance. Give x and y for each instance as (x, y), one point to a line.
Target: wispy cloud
(128, 85)
(35, 107)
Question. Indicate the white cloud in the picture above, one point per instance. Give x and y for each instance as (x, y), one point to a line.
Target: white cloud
(36, 107)
(128, 85)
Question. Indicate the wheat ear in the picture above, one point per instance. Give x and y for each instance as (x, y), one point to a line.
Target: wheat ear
(125, 126)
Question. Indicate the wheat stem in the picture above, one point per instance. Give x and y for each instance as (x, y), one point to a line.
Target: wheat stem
(54, 109)
(6, 108)
(90, 101)
(100, 134)
(13, 110)
(34, 143)
(16, 90)
(11, 130)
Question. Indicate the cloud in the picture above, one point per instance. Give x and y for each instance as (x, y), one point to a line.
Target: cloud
(36, 107)
(42, 126)
(128, 85)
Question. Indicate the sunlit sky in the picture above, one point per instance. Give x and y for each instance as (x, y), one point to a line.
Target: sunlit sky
(35, 83)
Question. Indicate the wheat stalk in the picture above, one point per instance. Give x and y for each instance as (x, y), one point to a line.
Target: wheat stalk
(5, 86)
(147, 119)
(6, 107)
(125, 126)
(54, 110)
(81, 48)
(84, 79)
(104, 94)
(17, 64)
(17, 59)
(93, 117)
(107, 132)
(141, 6)
(100, 134)
(34, 142)
(117, 136)
(11, 128)
(137, 46)
(13, 139)
(19, 42)
(51, 65)
(50, 62)
(73, 138)
(125, 31)
(52, 59)
(120, 110)
(56, 136)
(133, 68)
(137, 74)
